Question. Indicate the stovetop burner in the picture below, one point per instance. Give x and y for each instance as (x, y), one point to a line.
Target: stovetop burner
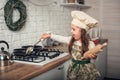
(38, 54)
(35, 59)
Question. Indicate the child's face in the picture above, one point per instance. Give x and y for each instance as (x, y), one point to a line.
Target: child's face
(76, 32)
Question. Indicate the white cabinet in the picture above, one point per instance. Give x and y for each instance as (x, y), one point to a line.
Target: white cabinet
(66, 64)
(54, 74)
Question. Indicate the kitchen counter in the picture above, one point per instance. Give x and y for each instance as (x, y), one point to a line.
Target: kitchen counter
(19, 71)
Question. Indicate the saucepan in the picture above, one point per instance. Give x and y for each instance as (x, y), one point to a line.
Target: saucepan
(22, 51)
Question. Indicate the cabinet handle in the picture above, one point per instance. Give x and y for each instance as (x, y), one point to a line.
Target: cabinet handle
(60, 68)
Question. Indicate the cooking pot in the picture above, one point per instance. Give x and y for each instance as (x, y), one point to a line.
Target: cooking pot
(5, 57)
(50, 42)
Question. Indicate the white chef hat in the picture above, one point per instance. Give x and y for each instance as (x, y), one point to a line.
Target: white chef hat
(83, 20)
(79, 24)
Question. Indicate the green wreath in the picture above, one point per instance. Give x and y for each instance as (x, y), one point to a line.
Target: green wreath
(8, 14)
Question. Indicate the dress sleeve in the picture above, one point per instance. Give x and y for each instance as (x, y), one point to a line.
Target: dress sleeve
(60, 38)
(91, 45)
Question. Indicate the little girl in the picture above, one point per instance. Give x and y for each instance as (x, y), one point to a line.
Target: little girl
(80, 68)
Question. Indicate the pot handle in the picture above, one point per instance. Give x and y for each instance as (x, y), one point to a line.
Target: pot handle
(2, 41)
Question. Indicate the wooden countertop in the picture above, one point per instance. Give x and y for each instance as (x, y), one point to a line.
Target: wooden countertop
(19, 71)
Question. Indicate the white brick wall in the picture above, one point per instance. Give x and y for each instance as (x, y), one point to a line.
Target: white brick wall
(40, 19)
(56, 18)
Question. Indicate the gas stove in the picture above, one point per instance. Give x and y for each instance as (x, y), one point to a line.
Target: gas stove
(39, 55)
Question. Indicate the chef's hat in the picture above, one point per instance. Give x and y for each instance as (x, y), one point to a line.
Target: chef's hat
(83, 20)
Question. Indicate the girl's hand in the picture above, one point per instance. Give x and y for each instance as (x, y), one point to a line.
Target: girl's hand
(94, 51)
(45, 35)
(90, 56)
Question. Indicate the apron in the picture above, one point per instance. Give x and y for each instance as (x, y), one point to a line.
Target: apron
(81, 69)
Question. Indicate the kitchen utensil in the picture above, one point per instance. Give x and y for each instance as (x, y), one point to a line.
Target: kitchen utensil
(94, 50)
(5, 57)
(36, 46)
(30, 49)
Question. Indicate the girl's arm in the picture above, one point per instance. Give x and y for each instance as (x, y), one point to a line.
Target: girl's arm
(58, 38)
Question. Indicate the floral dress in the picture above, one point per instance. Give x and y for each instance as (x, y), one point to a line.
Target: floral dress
(79, 69)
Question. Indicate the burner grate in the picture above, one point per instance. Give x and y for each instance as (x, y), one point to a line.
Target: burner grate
(35, 59)
(36, 56)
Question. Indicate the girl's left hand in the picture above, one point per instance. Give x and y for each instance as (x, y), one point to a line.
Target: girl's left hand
(90, 56)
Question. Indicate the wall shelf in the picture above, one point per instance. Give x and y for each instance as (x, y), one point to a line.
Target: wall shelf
(74, 5)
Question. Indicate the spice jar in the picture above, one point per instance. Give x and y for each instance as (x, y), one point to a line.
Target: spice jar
(71, 1)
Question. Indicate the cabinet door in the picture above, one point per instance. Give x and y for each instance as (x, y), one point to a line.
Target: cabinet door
(54, 74)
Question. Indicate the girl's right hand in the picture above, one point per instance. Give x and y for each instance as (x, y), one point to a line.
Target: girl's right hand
(45, 35)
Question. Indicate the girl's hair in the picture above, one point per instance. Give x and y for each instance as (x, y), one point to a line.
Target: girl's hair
(84, 39)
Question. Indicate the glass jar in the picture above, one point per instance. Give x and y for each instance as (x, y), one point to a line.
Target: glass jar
(71, 1)
(80, 1)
